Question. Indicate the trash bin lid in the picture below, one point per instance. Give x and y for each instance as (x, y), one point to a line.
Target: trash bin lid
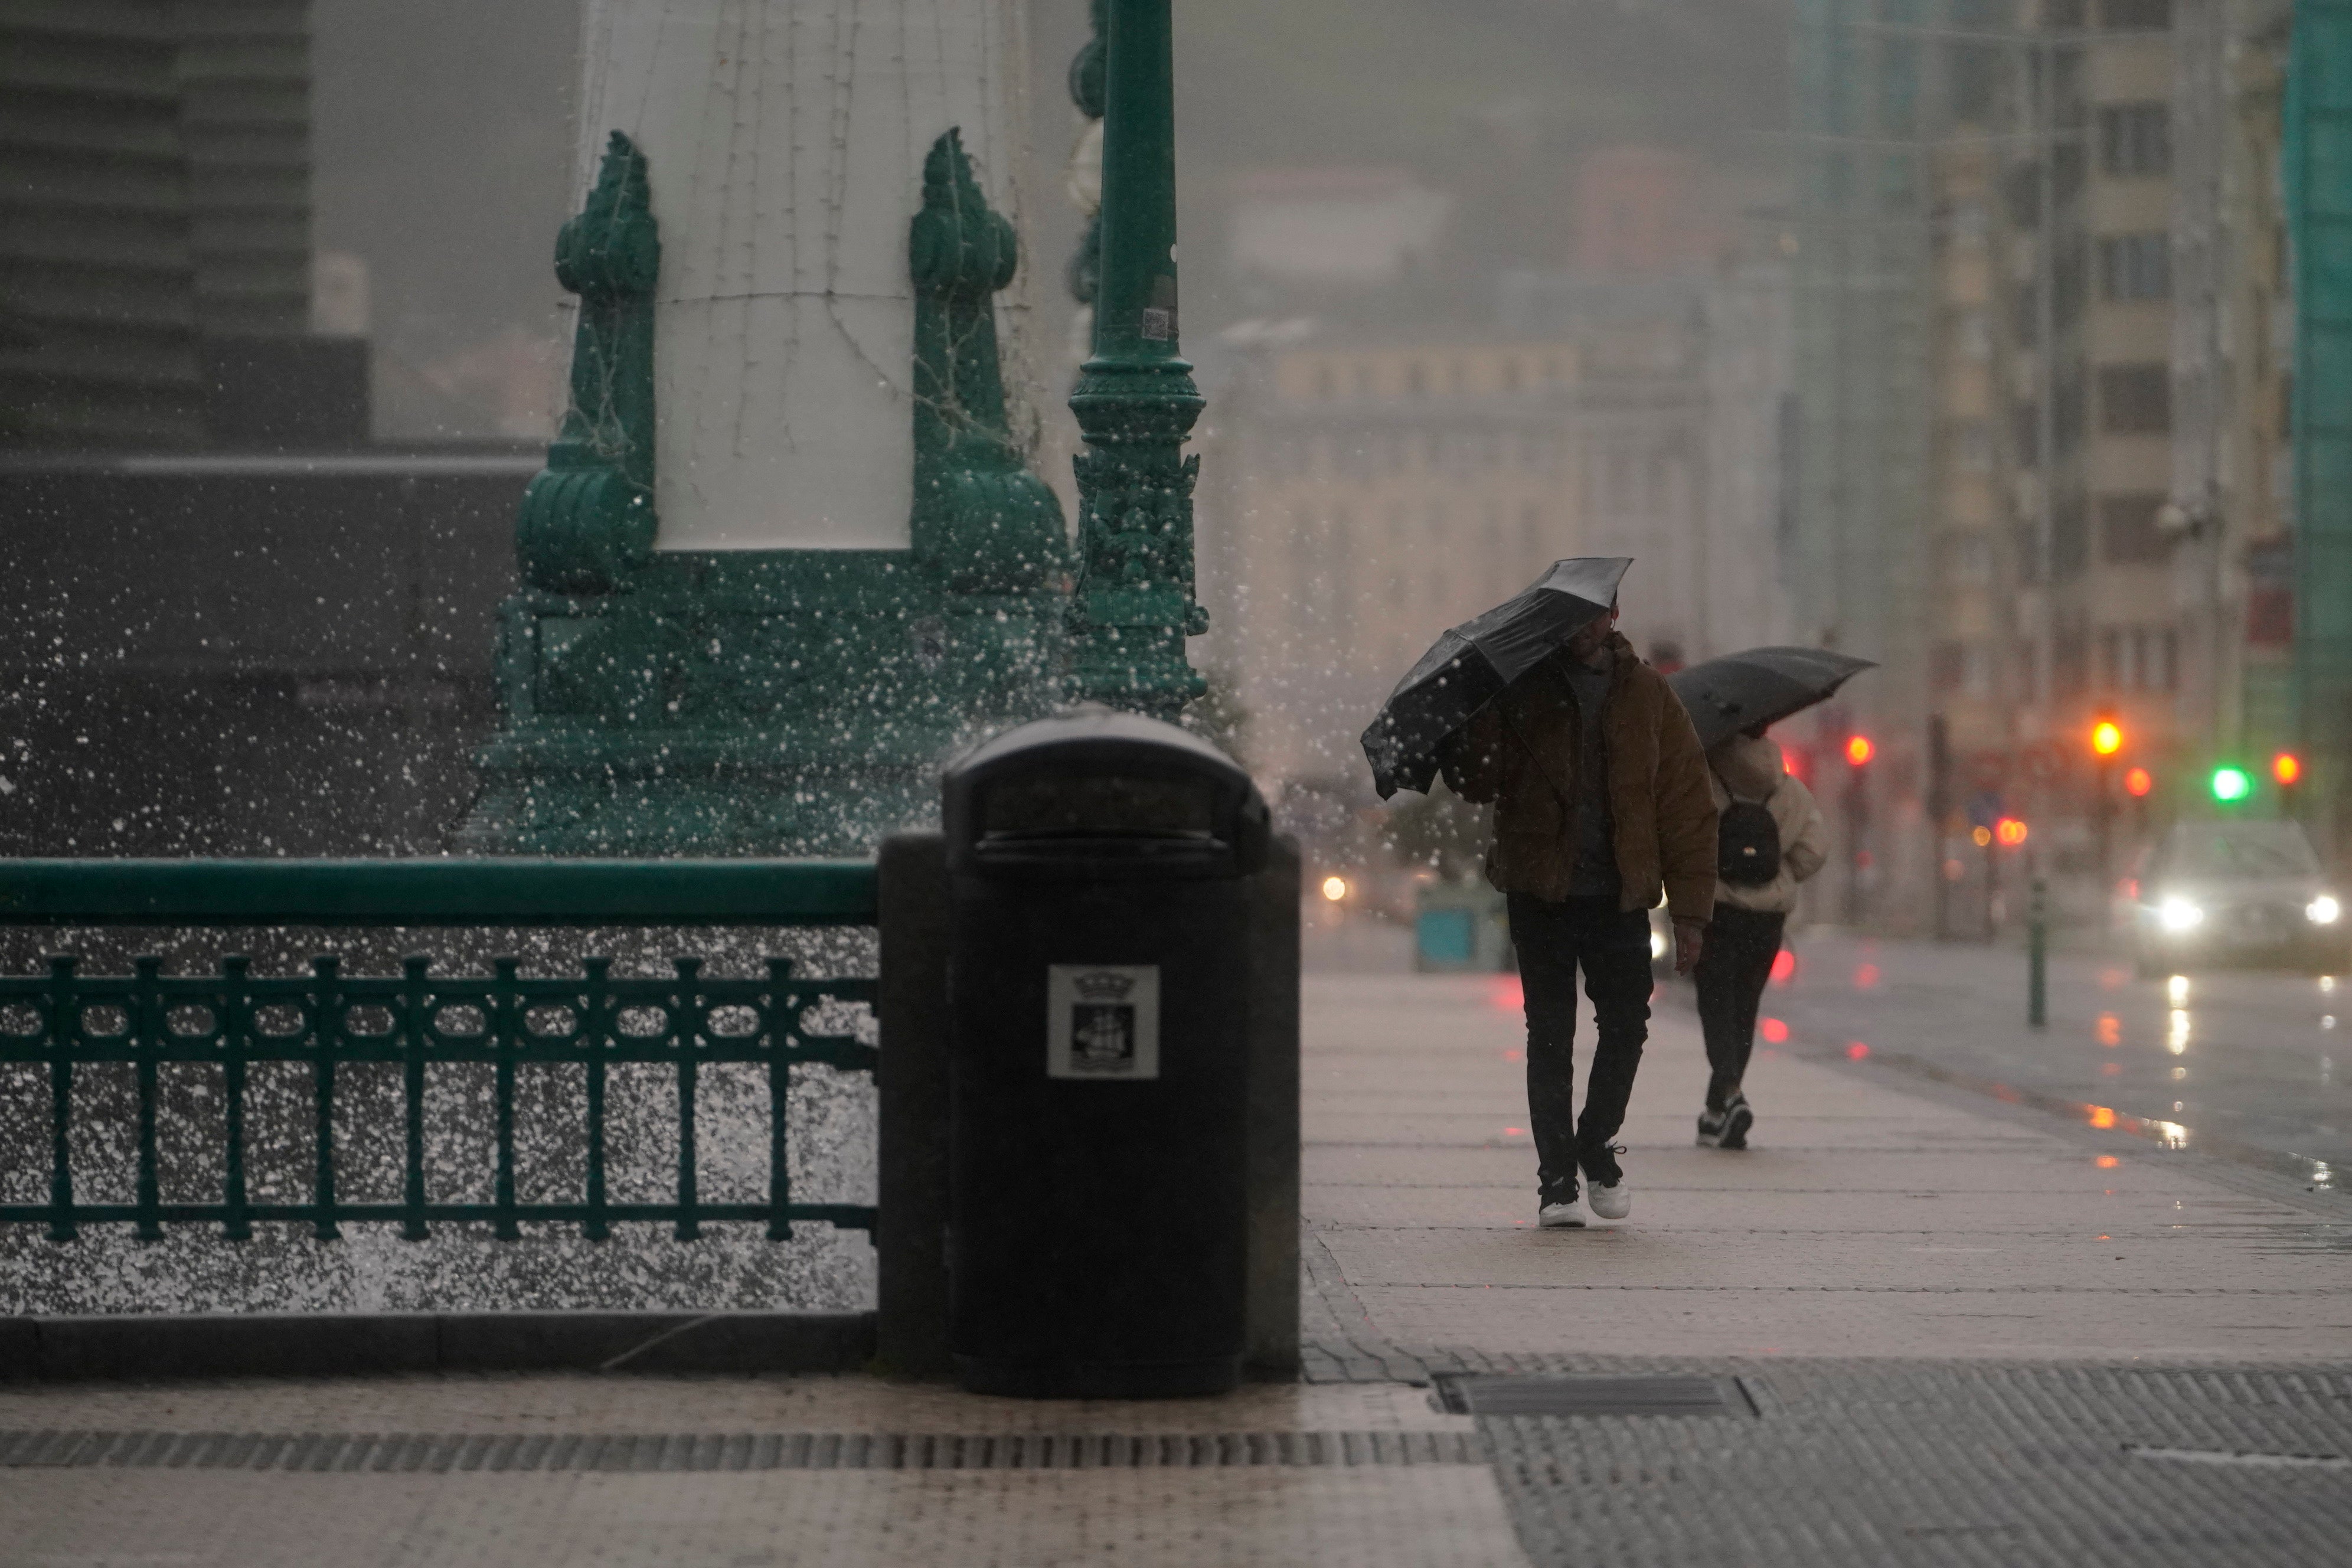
(1098, 792)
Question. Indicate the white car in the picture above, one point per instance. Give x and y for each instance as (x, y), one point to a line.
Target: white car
(2237, 893)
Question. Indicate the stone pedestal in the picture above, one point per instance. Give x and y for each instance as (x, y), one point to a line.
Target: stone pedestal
(786, 555)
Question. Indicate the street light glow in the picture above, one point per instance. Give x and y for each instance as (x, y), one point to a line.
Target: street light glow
(2137, 782)
(2106, 737)
(1335, 889)
(2011, 831)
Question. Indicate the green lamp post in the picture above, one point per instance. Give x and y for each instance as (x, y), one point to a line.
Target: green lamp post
(1135, 399)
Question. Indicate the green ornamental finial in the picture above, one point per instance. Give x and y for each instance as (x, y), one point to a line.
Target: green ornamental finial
(587, 521)
(981, 517)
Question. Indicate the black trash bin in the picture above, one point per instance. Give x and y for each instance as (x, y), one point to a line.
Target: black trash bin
(1098, 983)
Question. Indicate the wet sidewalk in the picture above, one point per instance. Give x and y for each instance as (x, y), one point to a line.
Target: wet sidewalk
(1874, 1216)
(1941, 1330)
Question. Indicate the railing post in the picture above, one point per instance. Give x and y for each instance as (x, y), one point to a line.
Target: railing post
(686, 1023)
(326, 1032)
(145, 1017)
(65, 1032)
(779, 1027)
(2037, 959)
(413, 1018)
(504, 1020)
(237, 1025)
(596, 1025)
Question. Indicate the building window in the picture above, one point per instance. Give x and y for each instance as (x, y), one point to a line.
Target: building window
(2136, 266)
(1967, 559)
(1962, 669)
(2134, 399)
(2070, 550)
(2128, 535)
(1972, 334)
(2135, 139)
(2139, 659)
(2134, 15)
(1972, 447)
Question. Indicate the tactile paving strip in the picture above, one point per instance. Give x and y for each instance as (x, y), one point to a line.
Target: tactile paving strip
(444, 1453)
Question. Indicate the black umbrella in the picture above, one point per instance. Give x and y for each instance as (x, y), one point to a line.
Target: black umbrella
(1479, 658)
(1762, 686)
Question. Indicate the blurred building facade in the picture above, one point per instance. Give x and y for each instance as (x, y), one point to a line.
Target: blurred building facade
(2043, 334)
(155, 255)
(1366, 486)
(227, 623)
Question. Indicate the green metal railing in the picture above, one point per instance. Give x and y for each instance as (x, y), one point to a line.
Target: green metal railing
(67, 1021)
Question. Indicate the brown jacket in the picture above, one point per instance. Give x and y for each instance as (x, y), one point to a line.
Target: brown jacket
(1520, 751)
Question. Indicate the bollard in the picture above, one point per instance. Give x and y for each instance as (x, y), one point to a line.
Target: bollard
(2037, 955)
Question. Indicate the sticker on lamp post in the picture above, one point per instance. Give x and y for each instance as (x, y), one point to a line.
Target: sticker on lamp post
(1102, 1020)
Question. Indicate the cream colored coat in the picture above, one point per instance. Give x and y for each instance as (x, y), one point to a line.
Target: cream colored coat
(1754, 767)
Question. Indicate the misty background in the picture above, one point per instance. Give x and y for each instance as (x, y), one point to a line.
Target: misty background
(443, 147)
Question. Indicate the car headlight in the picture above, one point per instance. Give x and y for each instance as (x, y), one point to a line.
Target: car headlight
(2323, 911)
(2179, 914)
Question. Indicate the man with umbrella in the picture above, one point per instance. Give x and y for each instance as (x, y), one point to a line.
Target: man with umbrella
(1600, 803)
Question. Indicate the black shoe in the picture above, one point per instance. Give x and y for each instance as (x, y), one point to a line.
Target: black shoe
(1727, 1128)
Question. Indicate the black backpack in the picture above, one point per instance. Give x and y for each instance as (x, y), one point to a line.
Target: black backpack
(1747, 844)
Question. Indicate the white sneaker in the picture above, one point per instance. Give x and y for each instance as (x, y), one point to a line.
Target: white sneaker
(1569, 1215)
(1611, 1202)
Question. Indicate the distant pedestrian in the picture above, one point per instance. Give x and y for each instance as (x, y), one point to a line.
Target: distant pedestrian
(1600, 804)
(1771, 838)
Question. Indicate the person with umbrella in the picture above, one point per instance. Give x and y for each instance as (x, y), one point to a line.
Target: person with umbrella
(1602, 804)
(1770, 837)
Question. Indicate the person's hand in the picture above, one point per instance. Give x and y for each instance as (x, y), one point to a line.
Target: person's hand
(1690, 939)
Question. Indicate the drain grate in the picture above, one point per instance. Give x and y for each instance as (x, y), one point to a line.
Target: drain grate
(1501, 1394)
(441, 1453)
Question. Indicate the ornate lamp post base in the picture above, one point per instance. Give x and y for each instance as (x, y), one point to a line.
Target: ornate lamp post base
(778, 701)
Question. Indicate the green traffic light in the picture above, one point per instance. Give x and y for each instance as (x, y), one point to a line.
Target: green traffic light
(2232, 784)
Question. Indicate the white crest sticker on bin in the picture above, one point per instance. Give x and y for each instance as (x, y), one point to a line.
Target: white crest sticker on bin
(1102, 1021)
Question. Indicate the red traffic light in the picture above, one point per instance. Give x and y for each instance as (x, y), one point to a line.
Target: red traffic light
(2139, 782)
(1858, 750)
(2011, 831)
(2286, 767)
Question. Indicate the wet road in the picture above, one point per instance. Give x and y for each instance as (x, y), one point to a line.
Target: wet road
(2257, 1065)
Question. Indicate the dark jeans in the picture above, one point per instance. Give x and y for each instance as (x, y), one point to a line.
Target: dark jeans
(1732, 970)
(1612, 947)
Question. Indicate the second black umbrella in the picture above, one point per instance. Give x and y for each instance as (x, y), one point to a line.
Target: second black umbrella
(1762, 686)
